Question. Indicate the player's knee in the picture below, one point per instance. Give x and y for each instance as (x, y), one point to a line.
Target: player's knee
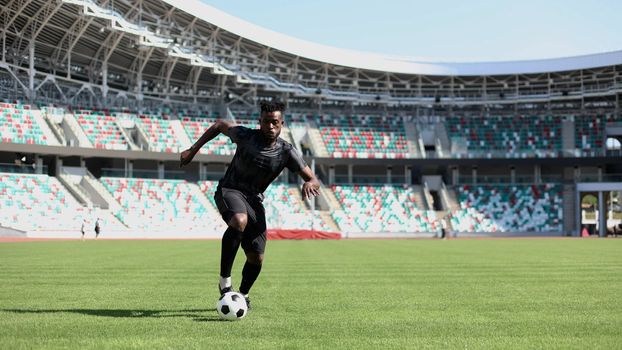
(254, 258)
(238, 222)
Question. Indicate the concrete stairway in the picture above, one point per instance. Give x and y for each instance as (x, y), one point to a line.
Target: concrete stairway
(52, 140)
(328, 219)
(568, 136)
(319, 149)
(443, 140)
(71, 182)
(76, 131)
(412, 139)
(99, 193)
(329, 199)
(420, 197)
(180, 133)
(127, 137)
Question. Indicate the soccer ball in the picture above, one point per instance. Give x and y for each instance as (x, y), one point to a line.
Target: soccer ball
(232, 306)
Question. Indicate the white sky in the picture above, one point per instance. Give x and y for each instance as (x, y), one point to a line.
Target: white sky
(444, 30)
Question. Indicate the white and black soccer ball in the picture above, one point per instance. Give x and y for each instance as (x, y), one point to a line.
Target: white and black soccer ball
(232, 306)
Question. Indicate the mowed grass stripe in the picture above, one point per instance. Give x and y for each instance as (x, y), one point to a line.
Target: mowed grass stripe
(315, 294)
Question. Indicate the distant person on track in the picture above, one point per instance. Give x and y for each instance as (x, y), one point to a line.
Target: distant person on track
(83, 228)
(97, 227)
(259, 158)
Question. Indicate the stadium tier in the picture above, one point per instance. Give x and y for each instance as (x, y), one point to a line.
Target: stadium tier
(508, 208)
(101, 129)
(516, 136)
(359, 136)
(159, 205)
(17, 125)
(162, 136)
(381, 208)
(40, 202)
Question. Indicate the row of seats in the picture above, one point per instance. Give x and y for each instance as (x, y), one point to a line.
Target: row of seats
(514, 135)
(363, 136)
(17, 125)
(344, 136)
(381, 208)
(40, 202)
(508, 208)
(158, 205)
(101, 129)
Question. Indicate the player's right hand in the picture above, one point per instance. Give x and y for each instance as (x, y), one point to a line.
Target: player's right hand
(185, 158)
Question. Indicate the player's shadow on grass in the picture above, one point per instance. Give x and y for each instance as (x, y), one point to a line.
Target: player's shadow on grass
(198, 315)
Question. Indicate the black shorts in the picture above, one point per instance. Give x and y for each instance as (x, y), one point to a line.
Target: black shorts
(231, 202)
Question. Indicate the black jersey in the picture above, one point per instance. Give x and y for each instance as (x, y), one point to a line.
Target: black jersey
(255, 163)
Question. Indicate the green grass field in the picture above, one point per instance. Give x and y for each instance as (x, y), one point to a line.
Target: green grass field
(510, 293)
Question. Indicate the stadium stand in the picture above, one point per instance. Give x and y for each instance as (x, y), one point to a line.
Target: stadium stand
(40, 202)
(162, 136)
(508, 208)
(381, 208)
(101, 129)
(515, 136)
(17, 125)
(358, 136)
(158, 205)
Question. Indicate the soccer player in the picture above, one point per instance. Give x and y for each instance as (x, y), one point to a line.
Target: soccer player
(259, 158)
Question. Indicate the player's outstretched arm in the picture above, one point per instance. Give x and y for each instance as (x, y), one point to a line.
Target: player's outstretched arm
(311, 187)
(220, 126)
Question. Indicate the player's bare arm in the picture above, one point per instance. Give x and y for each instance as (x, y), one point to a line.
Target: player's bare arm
(311, 187)
(219, 127)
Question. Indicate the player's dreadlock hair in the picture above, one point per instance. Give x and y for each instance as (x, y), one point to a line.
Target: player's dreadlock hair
(272, 106)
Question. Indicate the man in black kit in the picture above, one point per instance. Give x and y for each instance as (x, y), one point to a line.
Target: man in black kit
(259, 158)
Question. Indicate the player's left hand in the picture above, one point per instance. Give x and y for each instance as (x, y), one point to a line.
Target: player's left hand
(309, 190)
(185, 157)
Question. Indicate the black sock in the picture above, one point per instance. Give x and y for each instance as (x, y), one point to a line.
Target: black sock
(249, 275)
(230, 244)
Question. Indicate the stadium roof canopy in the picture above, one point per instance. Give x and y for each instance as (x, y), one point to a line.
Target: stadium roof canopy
(188, 52)
(385, 63)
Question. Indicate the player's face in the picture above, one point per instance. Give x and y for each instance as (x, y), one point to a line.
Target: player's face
(270, 124)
